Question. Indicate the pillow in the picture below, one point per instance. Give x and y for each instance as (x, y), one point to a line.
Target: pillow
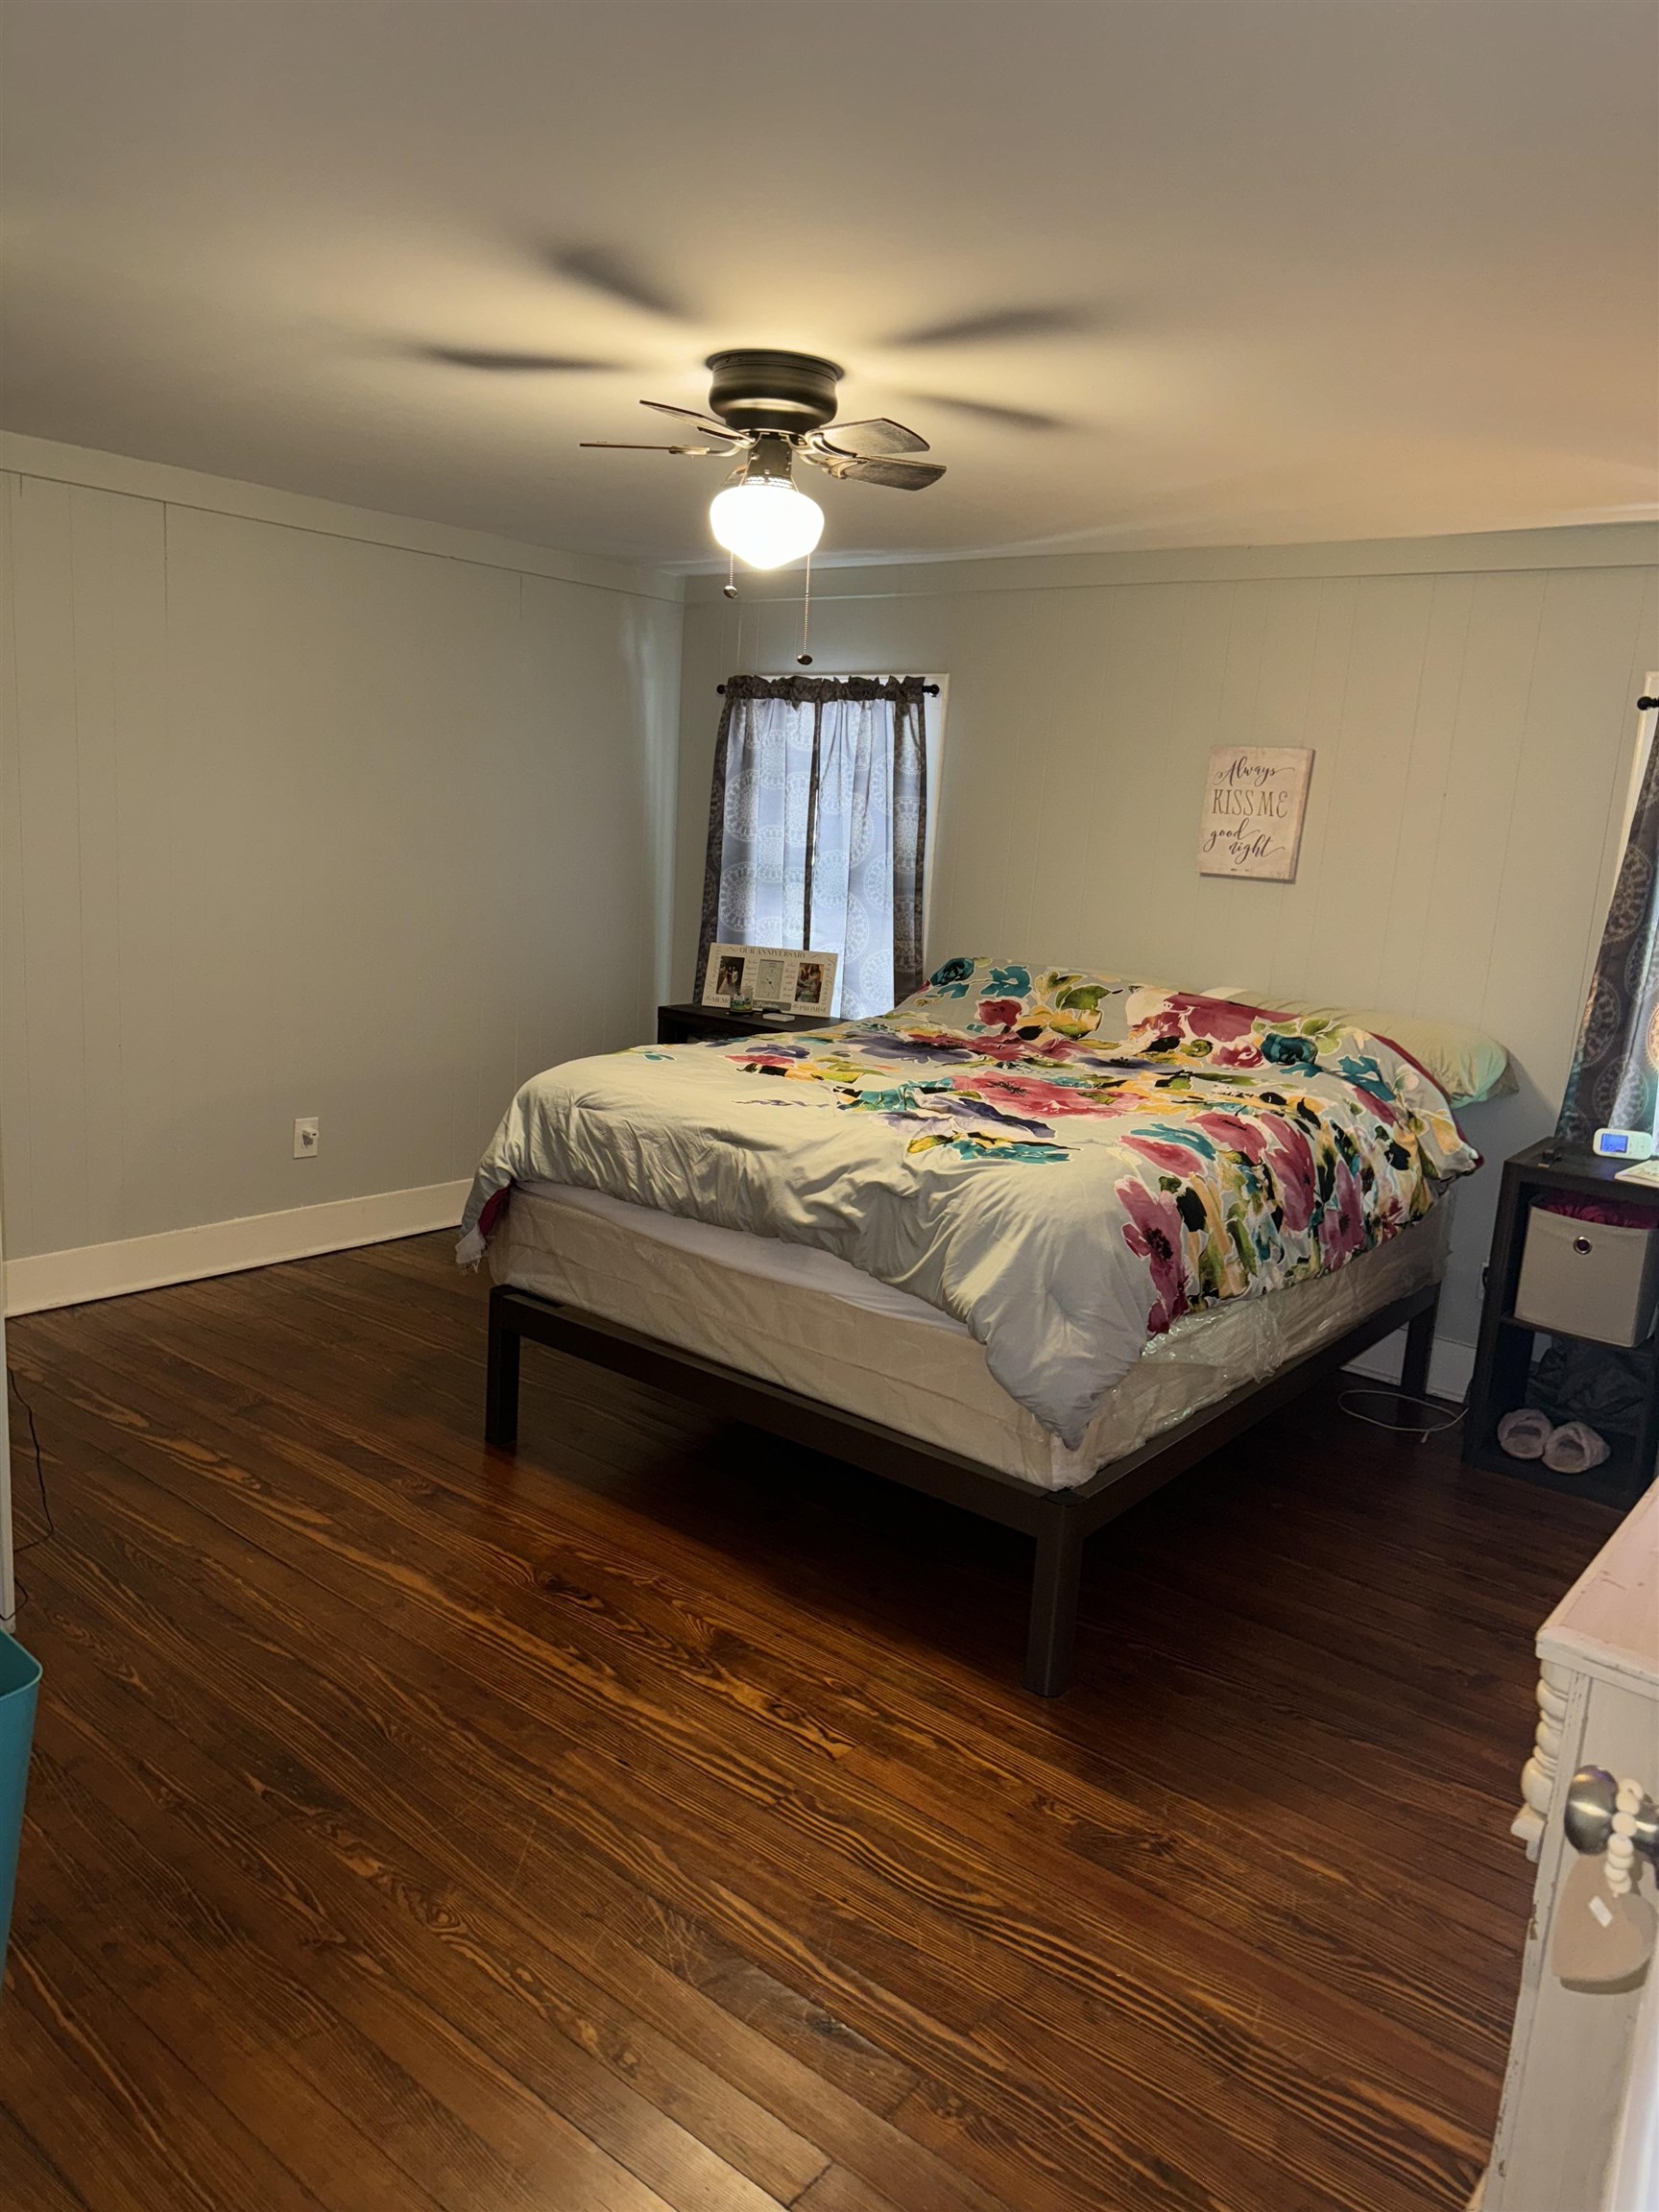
(1467, 1064)
(1010, 996)
(970, 996)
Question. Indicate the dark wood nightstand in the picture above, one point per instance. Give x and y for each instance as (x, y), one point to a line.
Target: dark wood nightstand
(690, 1024)
(1504, 1354)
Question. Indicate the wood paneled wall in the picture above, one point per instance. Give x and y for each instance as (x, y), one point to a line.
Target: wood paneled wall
(1469, 703)
(300, 822)
(306, 812)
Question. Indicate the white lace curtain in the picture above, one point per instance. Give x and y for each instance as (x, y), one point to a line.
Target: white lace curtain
(816, 828)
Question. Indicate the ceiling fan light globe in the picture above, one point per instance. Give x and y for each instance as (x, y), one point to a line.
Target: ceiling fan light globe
(765, 522)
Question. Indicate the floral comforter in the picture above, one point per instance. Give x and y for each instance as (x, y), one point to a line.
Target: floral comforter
(1065, 1163)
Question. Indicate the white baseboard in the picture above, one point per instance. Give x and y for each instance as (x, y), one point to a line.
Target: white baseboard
(224, 1247)
(1450, 1364)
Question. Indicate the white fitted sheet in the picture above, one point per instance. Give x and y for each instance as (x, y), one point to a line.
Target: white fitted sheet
(805, 1319)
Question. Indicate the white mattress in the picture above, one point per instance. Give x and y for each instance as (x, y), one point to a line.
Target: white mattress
(811, 1322)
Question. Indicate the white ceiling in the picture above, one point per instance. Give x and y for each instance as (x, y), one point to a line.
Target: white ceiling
(1312, 267)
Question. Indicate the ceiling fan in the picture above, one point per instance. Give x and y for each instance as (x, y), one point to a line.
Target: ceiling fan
(771, 409)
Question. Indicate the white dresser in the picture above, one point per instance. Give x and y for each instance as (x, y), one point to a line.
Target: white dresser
(1572, 2098)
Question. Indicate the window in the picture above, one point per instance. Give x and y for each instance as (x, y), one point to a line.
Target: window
(817, 826)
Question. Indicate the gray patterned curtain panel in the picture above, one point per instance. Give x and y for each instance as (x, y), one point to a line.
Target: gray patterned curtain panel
(817, 822)
(1615, 1077)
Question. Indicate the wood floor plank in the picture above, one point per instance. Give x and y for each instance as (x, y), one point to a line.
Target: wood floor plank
(487, 2045)
(669, 1789)
(1122, 2086)
(400, 2121)
(1178, 1853)
(144, 2130)
(838, 2191)
(871, 1813)
(1403, 1790)
(30, 2177)
(1422, 1748)
(335, 1733)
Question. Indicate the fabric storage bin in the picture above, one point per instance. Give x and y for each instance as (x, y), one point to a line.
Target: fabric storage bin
(1588, 1278)
(19, 1680)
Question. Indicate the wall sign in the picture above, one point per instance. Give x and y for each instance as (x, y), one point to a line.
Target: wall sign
(1254, 799)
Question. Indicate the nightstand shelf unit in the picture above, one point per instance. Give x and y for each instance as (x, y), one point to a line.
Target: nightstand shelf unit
(1504, 1358)
(689, 1023)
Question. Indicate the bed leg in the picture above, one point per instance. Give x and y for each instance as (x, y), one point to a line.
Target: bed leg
(1053, 1601)
(1419, 1344)
(502, 1375)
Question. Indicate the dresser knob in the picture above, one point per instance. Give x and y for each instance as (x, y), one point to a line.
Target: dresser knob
(1592, 1797)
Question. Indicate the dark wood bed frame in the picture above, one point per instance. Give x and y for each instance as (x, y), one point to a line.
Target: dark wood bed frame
(1060, 1519)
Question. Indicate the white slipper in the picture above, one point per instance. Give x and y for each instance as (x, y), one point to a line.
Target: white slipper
(1575, 1448)
(1525, 1432)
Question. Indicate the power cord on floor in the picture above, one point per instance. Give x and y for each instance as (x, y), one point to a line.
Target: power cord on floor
(1421, 1429)
(51, 1528)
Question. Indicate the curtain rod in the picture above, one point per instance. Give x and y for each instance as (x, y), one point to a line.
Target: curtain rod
(931, 689)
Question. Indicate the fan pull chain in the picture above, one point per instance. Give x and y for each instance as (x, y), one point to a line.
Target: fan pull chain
(803, 659)
(728, 589)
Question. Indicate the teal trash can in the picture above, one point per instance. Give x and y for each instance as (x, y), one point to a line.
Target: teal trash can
(19, 1680)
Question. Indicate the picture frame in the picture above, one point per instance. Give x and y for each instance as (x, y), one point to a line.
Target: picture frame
(781, 978)
(1255, 800)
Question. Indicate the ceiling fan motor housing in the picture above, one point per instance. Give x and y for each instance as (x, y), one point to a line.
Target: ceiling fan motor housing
(755, 389)
(771, 456)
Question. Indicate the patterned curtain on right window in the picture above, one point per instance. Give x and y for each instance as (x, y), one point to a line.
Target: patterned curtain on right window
(1615, 1079)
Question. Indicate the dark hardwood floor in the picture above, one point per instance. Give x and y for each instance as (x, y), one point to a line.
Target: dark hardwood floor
(654, 1820)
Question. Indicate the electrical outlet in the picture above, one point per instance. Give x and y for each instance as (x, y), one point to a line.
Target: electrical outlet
(306, 1137)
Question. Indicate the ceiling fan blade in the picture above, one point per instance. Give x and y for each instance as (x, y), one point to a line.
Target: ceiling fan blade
(513, 364)
(620, 445)
(986, 411)
(999, 322)
(870, 440)
(602, 269)
(691, 415)
(897, 475)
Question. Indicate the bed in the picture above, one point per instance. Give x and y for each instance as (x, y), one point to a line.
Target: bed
(1036, 1242)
